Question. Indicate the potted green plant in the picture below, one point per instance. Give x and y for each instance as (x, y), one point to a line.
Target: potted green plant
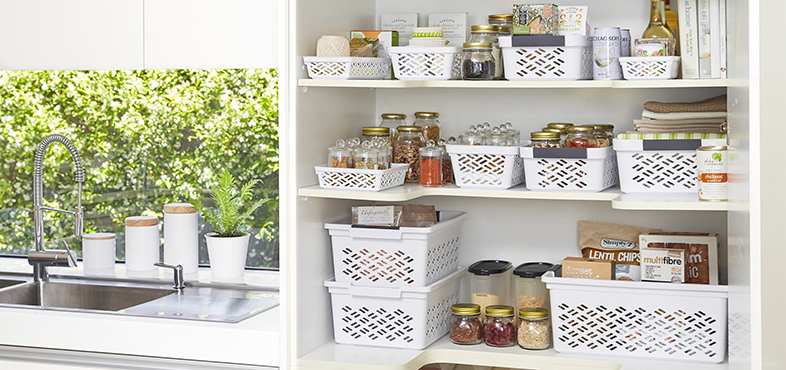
(227, 245)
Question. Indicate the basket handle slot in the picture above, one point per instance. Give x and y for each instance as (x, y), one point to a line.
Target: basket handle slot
(678, 144)
(578, 153)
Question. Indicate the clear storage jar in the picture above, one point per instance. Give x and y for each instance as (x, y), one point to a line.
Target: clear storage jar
(497, 138)
(430, 123)
(340, 156)
(500, 326)
(392, 121)
(545, 139)
(430, 165)
(490, 283)
(447, 164)
(471, 137)
(501, 20)
(365, 157)
(534, 330)
(371, 133)
(489, 34)
(465, 324)
(477, 61)
(530, 290)
(581, 137)
(604, 134)
(406, 149)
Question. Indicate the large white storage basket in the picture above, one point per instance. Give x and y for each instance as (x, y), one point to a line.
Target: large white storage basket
(406, 256)
(570, 62)
(347, 68)
(569, 169)
(405, 317)
(486, 167)
(650, 68)
(684, 322)
(364, 180)
(426, 63)
(659, 166)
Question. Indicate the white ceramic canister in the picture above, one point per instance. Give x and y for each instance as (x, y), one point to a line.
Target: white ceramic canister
(712, 170)
(625, 42)
(606, 51)
(181, 236)
(142, 243)
(98, 251)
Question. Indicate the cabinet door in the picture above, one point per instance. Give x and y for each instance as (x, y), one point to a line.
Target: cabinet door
(71, 34)
(211, 34)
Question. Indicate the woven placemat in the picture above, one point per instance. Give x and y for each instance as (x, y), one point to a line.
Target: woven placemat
(716, 104)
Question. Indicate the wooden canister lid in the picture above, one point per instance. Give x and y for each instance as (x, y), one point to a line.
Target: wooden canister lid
(139, 221)
(99, 236)
(179, 208)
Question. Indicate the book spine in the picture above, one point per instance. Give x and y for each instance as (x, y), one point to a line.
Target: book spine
(705, 40)
(723, 40)
(715, 38)
(689, 44)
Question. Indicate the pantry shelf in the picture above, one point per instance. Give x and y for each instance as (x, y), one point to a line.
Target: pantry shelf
(666, 202)
(591, 84)
(344, 357)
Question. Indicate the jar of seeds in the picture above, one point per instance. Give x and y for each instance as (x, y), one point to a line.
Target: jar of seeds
(534, 331)
(465, 325)
(545, 140)
(406, 149)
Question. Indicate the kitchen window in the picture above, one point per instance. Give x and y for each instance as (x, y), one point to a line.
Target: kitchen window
(147, 138)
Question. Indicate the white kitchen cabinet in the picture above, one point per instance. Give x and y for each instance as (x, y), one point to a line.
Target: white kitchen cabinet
(71, 34)
(211, 34)
(516, 225)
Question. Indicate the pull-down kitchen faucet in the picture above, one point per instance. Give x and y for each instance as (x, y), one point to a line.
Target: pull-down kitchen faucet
(40, 258)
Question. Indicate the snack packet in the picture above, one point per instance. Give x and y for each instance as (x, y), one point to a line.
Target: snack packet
(614, 242)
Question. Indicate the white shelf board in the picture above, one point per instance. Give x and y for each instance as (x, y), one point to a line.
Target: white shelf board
(671, 202)
(348, 357)
(605, 84)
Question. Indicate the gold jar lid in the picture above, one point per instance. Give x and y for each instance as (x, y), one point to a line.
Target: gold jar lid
(505, 29)
(410, 128)
(581, 128)
(426, 114)
(477, 45)
(560, 125)
(485, 28)
(549, 129)
(376, 130)
(499, 310)
(466, 309)
(501, 17)
(533, 313)
(394, 116)
(603, 127)
(544, 135)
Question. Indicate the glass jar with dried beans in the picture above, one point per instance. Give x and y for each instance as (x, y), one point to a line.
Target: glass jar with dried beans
(465, 325)
(581, 137)
(500, 327)
(477, 61)
(430, 123)
(604, 134)
(545, 140)
(406, 149)
(489, 34)
(534, 331)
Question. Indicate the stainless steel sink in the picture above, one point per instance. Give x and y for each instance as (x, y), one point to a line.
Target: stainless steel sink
(79, 296)
(4, 283)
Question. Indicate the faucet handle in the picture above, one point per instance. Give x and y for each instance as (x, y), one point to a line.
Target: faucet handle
(180, 282)
(71, 255)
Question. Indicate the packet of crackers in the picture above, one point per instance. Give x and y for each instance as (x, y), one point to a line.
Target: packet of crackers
(702, 263)
(613, 242)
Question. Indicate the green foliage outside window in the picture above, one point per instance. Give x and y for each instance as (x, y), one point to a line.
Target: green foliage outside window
(147, 138)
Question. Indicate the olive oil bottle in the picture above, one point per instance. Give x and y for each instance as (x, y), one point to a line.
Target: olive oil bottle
(658, 27)
(672, 22)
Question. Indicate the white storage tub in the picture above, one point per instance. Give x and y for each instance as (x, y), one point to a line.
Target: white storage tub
(660, 166)
(404, 317)
(347, 68)
(395, 257)
(573, 61)
(650, 68)
(364, 180)
(569, 169)
(486, 167)
(426, 63)
(682, 322)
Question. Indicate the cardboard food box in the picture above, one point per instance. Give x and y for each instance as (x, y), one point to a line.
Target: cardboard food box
(572, 20)
(662, 265)
(401, 22)
(541, 18)
(454, 27)
(702, 263)
(584, 268)
(386, 39)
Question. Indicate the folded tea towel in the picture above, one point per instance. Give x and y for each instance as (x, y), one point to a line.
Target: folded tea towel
(669, 136)
(695, 121)
(716, 104)
(684, 115)
(686, 129)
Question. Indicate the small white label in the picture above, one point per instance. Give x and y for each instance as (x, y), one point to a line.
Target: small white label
(375, 215)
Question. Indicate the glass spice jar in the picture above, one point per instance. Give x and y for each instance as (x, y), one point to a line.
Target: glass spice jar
(604, 134)
(384, 153)
(465, 325)
(406, 149)
(447, 165)
(430, 123)
(534, 331)
(340, 156)
(430, 165)
(489, 34)
(471, 137)
(477, 62)
(501, 19)
(580, 137)
(497, 138)
(500, 327)
(365, 157)
(545, 140)
(515, 135)
(372, 132)
(393, 121)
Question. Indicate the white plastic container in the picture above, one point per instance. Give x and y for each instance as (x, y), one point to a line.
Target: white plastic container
(98, 251)
(426, 63)
(543, 63)
(347, 68)
(404, 317)
(142, 243)
(569, 169)
(364, 180)
(486, 167)
(181, 236)
(660, 166)
(407, 256)
(681, 322)
(650, 68)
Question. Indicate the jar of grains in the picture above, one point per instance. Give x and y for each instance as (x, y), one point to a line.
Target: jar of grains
(500, 327)
(393, 121)
(477, 62)
(604, 134)
(430, 165)
(465, 325)
(545, 140)
(534, 331)
(581, 137)
(490, 34)
(430, 123)
(406, 149)
(490, 283)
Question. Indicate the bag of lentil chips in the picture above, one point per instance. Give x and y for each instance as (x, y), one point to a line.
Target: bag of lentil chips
(614, 242)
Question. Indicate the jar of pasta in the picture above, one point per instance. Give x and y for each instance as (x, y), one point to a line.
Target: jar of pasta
(529, 289)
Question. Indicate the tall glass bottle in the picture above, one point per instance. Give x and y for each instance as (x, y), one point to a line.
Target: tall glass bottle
(672, 21)
(658, 27)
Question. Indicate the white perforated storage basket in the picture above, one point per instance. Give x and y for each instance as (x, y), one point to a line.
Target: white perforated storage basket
(426, 63)
(404, 317)
(659, 166)
(570, 62)
(569, 169)
(406, 256)
(347, 68)
(357, 179)
(683, 322)
(486, 167)
(650, 68)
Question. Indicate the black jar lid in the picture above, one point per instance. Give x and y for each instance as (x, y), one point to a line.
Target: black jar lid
(532, 269)
(489, 267)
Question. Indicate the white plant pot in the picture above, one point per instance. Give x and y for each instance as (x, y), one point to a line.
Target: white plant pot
(227, 255)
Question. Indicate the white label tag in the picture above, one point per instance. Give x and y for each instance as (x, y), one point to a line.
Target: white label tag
(375, 215)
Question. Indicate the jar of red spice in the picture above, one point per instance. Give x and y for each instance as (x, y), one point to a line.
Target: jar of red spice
(500, 327)
(430, 165)
(581, 137)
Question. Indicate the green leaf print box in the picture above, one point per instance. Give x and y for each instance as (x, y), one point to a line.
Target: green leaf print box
(541, 18)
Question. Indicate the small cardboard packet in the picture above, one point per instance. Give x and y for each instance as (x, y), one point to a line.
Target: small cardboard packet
(702, 263)
(662, 265)
(584, 268)
(407, 215)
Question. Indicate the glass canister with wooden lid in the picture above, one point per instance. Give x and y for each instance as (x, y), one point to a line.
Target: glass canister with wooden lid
(429, 121)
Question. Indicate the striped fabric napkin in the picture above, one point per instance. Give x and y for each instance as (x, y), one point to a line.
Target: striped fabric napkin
(669, 136)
